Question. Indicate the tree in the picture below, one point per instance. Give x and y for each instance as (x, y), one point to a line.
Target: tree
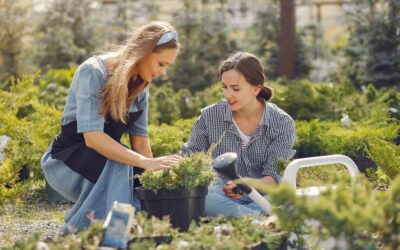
(287, 39)
(263, 40)
(13, 29)
(66, 35)
(373, 52)
(204, 34)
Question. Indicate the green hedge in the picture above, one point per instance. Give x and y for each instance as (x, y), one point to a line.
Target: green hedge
(358, 216)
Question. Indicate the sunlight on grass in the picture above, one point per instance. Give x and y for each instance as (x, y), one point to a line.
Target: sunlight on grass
(318, 175)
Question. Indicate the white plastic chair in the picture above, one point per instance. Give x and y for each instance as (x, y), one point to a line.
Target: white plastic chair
(290, 175)
(291, 170)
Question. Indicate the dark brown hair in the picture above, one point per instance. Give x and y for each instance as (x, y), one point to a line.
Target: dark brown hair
(250, 67)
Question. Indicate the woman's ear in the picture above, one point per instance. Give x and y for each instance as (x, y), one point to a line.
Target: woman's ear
(257, 90)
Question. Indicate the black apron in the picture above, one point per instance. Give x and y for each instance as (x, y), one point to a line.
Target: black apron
(69, 147)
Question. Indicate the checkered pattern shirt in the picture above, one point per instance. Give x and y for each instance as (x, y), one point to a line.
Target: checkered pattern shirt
(271, 141)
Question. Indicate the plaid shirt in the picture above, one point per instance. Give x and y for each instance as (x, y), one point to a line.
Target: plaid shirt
(271, 141)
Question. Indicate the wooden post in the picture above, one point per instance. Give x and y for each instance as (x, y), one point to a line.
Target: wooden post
(287, 39)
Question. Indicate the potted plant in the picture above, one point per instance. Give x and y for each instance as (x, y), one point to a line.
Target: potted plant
(178, 192)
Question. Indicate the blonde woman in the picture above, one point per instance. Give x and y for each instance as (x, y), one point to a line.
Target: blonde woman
(86, 163)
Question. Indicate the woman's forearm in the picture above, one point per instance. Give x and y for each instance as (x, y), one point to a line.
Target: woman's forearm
(141, 145)
(111, 149)
(269, 180)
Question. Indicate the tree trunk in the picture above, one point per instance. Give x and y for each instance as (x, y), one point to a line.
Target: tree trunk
(287, 39)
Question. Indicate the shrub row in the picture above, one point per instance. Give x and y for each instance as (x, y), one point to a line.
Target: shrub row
(354, 216)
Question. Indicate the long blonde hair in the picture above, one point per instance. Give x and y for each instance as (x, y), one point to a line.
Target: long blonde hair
(120, 90)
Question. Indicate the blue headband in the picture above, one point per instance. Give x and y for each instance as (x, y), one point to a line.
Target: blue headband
(168, 36)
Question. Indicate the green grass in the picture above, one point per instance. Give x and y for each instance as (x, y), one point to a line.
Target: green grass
(33, 214)
(319, 175)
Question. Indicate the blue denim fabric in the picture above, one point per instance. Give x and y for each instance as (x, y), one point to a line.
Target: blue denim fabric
(83, 103)
(114, 184)
(217, 203)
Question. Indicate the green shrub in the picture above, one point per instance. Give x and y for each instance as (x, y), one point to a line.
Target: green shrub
(360, 216)
(30, 125)
(215, 233)
(193, 171)
(309, 140)
(323, 137)
(62, 77)
(305, 100)
(372, 53)
(189, 105)
(245, 232)
(53, 86)
(386, 155)
(211, 94)
(168, 139)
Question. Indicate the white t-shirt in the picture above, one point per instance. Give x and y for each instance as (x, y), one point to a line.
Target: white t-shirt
(245, 139)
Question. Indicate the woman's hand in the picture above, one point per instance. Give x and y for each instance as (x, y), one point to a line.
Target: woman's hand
(228, 190)
(163, 162)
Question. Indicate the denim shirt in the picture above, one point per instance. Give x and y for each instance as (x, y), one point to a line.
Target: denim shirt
(83, 103)
(271, 141)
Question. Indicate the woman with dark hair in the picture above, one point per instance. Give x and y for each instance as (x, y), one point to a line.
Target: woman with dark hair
(248, 124)
(86, 163)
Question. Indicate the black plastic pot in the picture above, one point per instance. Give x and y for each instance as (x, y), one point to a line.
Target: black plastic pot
(363, 163)
(181, 205)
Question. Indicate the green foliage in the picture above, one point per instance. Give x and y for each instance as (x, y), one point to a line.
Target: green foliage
(166, 140)
(70, 38)
(309, 138)
(188, 104)
(163, 108)
(216, 233)
(193, 171)
(167, 105)
(206, 40)
(231, 233)
(359, 216)
(14, 26)
(386, 155)
(323, 137)
(144, 227)
(318, 175)
(373, 52)
(346, 214)
(211, 94)
(30, 125)
(54, 86)
(305, 100)
(263, 40)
